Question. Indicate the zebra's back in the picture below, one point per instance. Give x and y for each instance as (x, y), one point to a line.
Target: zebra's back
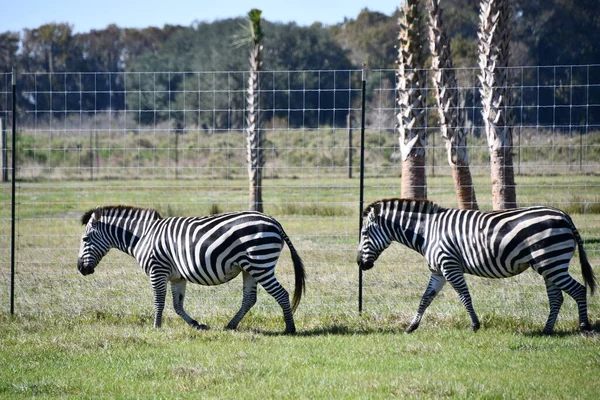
(504, 243)
(212, 250)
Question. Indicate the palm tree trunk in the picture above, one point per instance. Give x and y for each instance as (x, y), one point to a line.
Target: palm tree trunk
(411, 102)
(452, 122)
(495, 98)
(503, 179)
(253, 132)
(463, 185)
(414, 179)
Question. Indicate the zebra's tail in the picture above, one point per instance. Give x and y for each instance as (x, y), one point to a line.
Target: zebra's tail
(586, 268)
(300, 276)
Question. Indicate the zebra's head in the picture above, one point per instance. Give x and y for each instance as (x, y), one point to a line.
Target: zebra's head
(373, 240)
(93, 245)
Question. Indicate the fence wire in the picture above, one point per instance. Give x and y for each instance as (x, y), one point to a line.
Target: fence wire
(175, 141)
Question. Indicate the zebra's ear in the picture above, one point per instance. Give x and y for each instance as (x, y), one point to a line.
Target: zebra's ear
(97, 214)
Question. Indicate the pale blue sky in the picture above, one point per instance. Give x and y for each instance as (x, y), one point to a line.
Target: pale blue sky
(86, 15)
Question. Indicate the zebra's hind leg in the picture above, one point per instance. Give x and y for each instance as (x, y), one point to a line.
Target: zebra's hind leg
(457, 280)
(274, 288)
(564, 281)
(555, 299)
(248, 300)
(436, 283)
(178, 291)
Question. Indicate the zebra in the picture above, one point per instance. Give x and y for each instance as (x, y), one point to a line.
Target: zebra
(494, 244)
(208, 250)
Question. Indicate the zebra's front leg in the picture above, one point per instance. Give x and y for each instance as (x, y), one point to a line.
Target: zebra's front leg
(159, 288)
(248, 300)
(178, 291)
(455, 276)
(436, 283)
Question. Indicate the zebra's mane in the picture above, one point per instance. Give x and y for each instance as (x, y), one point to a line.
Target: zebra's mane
(375, 204)
(119, 208)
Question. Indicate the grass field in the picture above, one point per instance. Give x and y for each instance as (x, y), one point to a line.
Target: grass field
(88, 337)
(333, 356)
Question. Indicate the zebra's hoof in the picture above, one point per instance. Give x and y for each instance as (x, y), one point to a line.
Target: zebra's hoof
(586, 329)
(200, 327)
(411, 329)
(291, 331)
(231, 327)
(476, 326)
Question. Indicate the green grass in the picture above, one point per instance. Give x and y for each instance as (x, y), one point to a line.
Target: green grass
(332, 356)
(90, 337)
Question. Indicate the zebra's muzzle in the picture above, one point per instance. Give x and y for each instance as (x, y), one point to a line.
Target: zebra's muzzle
(365, 266)
(85, 270)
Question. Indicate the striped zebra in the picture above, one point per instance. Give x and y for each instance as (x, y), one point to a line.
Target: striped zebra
(207, 250)
(496, 244)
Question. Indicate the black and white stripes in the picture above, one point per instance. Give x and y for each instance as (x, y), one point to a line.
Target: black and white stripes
(205, 250)
(495, 244)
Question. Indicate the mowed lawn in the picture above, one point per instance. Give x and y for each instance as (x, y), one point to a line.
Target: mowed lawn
(92, 337)
(332, 356)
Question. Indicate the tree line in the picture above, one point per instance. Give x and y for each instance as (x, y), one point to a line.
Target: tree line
(552, 32)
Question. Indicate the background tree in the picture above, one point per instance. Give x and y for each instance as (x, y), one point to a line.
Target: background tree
(9, 45)
(558, 32)
(451, 115)
(48, 48)
(495, 98)
(411, 101)
(369, 39)
(543, 33)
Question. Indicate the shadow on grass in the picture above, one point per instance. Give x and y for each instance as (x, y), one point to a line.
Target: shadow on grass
(334, 330)
(342, 330)
(345, 330)
(571, 332)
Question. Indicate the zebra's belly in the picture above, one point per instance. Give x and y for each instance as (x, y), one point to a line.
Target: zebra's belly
(231, 273)
(517, 268)
(503, 271)
(205, 277)
(222, 275)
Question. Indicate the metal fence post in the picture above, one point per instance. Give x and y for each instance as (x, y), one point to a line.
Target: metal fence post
(362, 180)
(13, 193)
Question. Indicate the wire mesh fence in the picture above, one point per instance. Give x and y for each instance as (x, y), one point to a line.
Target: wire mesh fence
(175, 141)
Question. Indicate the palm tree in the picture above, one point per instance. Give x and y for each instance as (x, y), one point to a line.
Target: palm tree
(253, 132)
(411, 101)
(493, 62)
(452, 121)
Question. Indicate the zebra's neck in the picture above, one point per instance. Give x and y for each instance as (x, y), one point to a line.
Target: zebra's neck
(409, 221)
(126, 226)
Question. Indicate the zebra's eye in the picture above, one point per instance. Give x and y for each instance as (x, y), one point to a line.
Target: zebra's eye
(86, 239)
